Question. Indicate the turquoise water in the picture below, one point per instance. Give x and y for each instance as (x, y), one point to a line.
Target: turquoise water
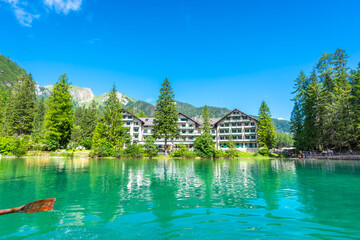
(182, 199)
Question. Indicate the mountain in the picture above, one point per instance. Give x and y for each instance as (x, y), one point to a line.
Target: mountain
(10, 73)
(83, 95)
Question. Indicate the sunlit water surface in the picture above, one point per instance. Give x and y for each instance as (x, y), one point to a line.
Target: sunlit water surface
(182, 199)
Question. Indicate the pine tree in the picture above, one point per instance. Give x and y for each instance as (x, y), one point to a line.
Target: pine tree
(345, 119)
(38, 125)
(23, 99)
(110, 128)
(150, 147)
(59, 116)
(166, 115)
(90, 120)
(296, 126)
(204, 143)
(311, 122)
(355, 91)
(266, 134)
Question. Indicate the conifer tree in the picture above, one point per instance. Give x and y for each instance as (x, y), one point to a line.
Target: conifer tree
(110, 128)
(266, 134)
(38, 125)
(204, 143)
(22, 108)
(166, 115)
(59, 116)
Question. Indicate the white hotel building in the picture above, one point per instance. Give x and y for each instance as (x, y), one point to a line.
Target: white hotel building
(239, 125)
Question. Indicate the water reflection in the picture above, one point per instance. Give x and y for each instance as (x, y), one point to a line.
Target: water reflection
(161, 193)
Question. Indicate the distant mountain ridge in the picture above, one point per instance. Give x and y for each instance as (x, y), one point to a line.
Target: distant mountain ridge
(10, 74)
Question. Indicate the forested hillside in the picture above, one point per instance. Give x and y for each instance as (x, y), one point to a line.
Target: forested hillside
(10, 73)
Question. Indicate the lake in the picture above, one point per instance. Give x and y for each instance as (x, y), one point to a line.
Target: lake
(182, 199)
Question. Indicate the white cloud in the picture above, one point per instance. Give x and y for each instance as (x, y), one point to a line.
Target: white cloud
(63, 6)
(24, 17)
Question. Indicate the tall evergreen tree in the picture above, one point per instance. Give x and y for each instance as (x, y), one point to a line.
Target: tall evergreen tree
(166, 115)
(22, 106)
(38, 125)
(266, 134)
(59, 116)
(310, 108)
(204, 143)
(111, 128)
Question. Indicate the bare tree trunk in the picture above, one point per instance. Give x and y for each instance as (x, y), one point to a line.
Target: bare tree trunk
(165, 145)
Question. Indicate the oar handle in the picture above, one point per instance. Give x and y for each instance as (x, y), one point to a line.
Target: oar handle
(7, 211)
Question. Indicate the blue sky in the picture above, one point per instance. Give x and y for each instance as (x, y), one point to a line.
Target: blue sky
(231, 54)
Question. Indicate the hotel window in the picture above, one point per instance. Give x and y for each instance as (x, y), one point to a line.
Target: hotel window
(191, 131)
(183, 119)
(226, 124)
(252, 130)
(129, 117)
(183, 125)
(136, 130)
(245, 117)
(136, 123)
(221, 138)
(238, 124)
(227, 118)
(221, 125)
(213, 131)
(234, 124)
(247, 130)
(183, 131)
(253, 137)
(239, 131)
(237, 145)
(240, 137)
(136, 136)
(190, 125)
(233, 131)
(247, 124)
(252, 124)
(213, 138)
(145, 131)
(247, 137)
(191, 138)
(128, 123)
(221, 131)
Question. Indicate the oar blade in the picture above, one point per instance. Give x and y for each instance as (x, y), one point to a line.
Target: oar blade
(38, 206)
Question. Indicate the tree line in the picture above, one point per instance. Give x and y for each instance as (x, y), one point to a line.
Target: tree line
(327, 105)
(28, 123)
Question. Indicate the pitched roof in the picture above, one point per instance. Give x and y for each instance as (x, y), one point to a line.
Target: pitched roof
(124, 110)
(232, 112)
(147, 121)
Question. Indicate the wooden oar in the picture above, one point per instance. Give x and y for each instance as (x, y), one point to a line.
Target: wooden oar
(33, 207)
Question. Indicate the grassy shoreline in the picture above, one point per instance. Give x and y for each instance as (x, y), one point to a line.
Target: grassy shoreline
(86, 154)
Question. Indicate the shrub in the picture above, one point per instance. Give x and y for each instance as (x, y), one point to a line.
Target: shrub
(150, 148)
(134, 150)
(118, 153)
(103, 149)
(50, 144)
(87, 143)
(264, 151)
(219, 153)
(180, 152)
(14, 145)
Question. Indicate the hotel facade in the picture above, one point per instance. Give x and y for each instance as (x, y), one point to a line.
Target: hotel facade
(237, 124)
